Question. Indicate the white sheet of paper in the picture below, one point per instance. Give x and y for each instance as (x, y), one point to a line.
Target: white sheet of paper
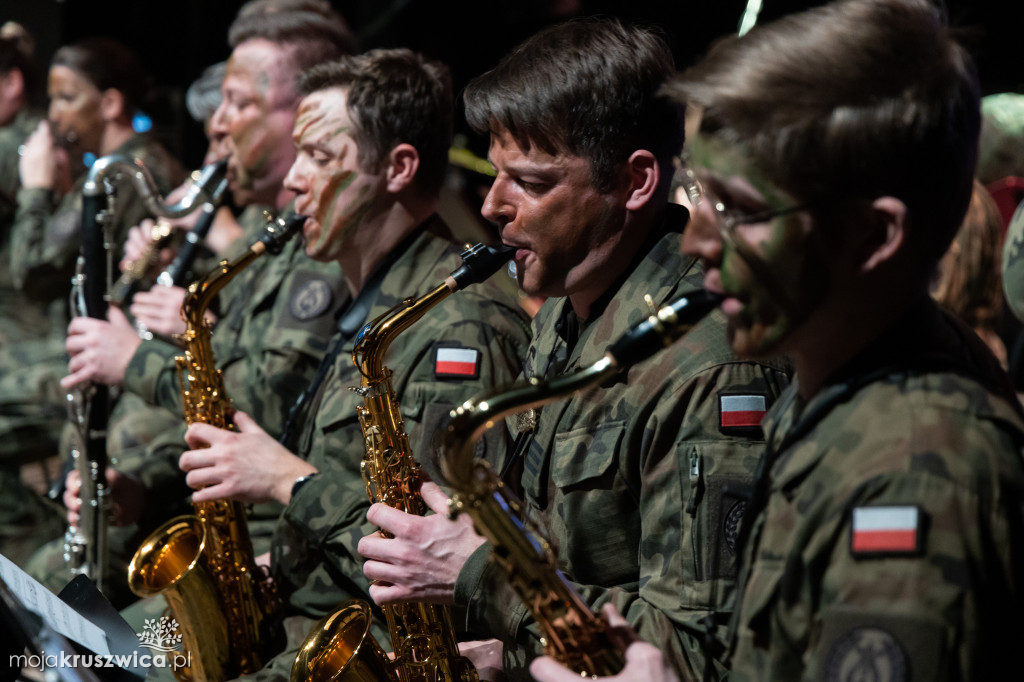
(55, 613)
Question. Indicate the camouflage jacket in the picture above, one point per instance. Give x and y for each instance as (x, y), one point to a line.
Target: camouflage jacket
(12, 136)
(888, 543)
(315, 563)
(46, 236)
(636, 483)
(23, 319)
(280, 315)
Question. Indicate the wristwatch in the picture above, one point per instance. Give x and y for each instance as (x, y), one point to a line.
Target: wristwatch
(301, 481)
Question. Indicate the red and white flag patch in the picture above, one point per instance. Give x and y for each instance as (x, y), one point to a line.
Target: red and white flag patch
(886, 530)
(460, 363)
(741, 411)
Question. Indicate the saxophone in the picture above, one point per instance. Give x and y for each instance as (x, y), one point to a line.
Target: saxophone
(572, 633)
(204, 564)
(423, 635)
(85, 550)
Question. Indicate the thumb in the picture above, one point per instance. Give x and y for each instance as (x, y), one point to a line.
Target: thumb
(435, 498)
(620, 632)
(117, 317)
(244, 423)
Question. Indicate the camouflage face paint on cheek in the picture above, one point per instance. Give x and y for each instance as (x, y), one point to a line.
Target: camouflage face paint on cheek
(330, 204)
(253, 148)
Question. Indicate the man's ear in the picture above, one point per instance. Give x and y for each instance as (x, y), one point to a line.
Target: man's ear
(887, 233)
(644, 175)
(112, 105)
(403, 163)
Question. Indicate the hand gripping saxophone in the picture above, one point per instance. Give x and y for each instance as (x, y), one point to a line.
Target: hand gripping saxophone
(204, 564)
(89, 407)
(341, 647)
(572, 633)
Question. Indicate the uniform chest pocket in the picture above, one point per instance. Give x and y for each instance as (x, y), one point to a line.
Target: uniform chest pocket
(592, 515)
(585, 457)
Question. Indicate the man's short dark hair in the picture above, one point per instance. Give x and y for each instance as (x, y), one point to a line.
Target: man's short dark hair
(311, 30)
(394, 96)
(587, 87)
(849, 102)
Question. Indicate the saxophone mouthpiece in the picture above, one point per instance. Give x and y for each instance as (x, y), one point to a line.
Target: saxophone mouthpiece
(663, 327)
(479, 262)
(280, 231)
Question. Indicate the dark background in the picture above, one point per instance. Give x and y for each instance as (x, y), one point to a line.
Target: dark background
(177, 40)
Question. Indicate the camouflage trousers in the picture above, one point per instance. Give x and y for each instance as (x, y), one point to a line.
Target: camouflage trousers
(32, 413)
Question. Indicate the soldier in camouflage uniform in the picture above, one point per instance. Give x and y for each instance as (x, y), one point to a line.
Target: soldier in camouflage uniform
(372, 135)
(277, 314)
(22, 319)
(24, 516)
(885, 534)
(95, 88)
(638, 483)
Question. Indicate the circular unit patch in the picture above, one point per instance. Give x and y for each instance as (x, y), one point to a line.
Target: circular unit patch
(866, 653)
(312, 300)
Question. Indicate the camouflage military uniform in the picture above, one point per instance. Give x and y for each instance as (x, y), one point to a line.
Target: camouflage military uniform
(44, 244)
(888, 543)
(637, 483)
(46, 239)
(22, 319)
(315, 564)
(275, 329)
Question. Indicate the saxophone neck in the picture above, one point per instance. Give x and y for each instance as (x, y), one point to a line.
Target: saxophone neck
(473, 418)
(479, 262)
(201, 293)
(209, 184)
(377, 336)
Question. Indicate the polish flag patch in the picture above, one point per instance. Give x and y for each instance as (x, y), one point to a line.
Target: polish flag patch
(886, 531)
(741, 411)
(458, 363)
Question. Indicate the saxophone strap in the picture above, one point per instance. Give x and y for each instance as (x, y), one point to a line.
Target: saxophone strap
(350, 321)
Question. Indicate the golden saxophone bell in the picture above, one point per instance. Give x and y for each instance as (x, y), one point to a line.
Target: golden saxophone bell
(168, 563)
(340, 647)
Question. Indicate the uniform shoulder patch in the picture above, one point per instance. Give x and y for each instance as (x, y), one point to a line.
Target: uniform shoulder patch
(741, 412)
(312, 299)
(456, 362)
(896, 530)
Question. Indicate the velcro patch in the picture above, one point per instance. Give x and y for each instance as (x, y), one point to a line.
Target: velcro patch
(456, 363)
(886, 531)
(741, 411)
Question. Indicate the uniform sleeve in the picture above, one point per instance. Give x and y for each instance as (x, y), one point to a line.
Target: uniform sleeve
(693, 479)
(936, 592)
(152, 374)
(44, 243)
(159, 474)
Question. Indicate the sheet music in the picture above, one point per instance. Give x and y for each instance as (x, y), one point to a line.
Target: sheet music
(55, 613)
